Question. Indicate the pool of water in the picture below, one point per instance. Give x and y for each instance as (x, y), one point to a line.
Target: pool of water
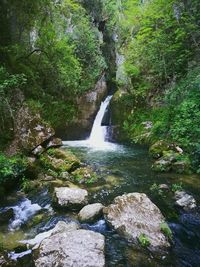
(122, 169)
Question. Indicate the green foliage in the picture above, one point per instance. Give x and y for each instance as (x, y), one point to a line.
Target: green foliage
(166, 230)
(54, 53)
(143, 240)
(11, 169)
(26, 184)
(84, 175)
(58, 112)
(157, 190)
(160, 42)
(177, 187)
(10, 81)
(164, 39)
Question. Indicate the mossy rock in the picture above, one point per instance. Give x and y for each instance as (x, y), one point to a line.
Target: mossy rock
(84, 175)
(41, 217)
(170, 156)
(161, 165)
(59, 160)
(181, 166)
(174, 161)
(157, 149)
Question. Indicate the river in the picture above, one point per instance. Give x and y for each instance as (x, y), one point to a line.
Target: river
(122, 169)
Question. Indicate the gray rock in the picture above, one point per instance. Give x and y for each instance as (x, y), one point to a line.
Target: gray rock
(29, 131)
(90, 212)
(74, 248)
(38, 150)
(54, 142)
(60, 227)
(181, 166)
(64, 175)
(134, 214)
(164, 187)
(162, 165)
(89, 104)
(70, 197)
(5, 262)
(184, 200)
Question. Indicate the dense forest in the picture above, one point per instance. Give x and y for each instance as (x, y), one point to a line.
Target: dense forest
(59, 59)
(58, 53)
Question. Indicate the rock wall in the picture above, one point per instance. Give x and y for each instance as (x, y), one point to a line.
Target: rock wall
(88, 106)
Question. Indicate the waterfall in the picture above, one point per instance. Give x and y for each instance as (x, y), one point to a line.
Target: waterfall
(98, 133)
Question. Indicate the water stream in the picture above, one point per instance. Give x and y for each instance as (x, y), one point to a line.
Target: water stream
(122, 169)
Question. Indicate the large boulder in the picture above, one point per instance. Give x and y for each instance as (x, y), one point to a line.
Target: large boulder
(72, 248)
(90, 212)
(70, 198)
(29, 131)
(134, 216)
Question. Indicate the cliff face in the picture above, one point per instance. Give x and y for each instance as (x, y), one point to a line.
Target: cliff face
(88, 105)
(61, 58)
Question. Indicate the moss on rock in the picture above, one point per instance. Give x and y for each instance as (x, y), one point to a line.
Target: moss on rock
(84, 175)
(59, 160)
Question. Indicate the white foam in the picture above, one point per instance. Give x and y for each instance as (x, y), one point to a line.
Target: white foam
(22, 213)
(98, 134)
(14, 256)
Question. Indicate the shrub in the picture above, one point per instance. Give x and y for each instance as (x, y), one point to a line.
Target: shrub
(11, 169)
(177, 187)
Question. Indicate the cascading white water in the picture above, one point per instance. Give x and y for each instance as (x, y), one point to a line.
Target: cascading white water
(98, 133)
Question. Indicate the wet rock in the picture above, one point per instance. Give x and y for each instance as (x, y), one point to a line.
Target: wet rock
(54, 142)
(6, 216)
(5, 261)
(2, 261)
(184, 200)
(91, 212)
(80, 248)
(161, 165)
(71, 198)
(133, 215)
